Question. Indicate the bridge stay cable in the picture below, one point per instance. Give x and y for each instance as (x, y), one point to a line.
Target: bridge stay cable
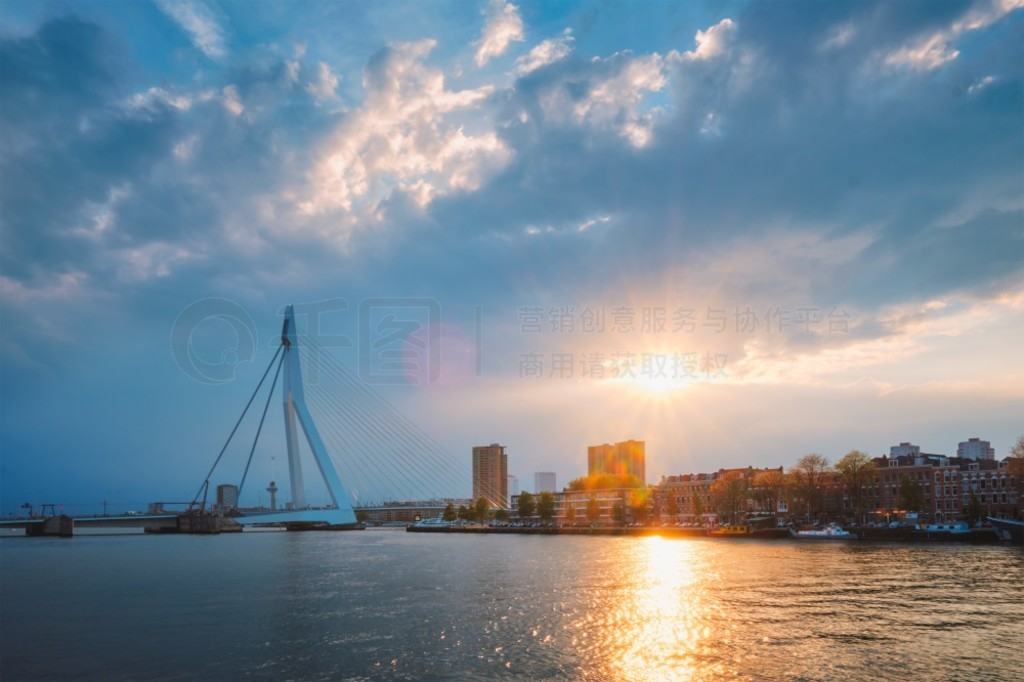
(259, 429)
(206, 481)
(350, 429)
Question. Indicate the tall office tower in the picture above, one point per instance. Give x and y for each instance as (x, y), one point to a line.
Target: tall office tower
(490, 474)
(625, 458)
(544, 482)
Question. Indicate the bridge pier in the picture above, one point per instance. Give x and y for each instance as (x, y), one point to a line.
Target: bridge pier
(53, 526)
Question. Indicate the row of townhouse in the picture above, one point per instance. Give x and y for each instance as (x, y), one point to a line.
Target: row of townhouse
(946, 487)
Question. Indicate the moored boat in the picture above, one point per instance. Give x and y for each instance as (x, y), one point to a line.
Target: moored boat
(735, 530)
(829, 532)
(1009, 528)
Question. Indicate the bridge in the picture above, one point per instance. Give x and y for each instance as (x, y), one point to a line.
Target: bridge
(364, 449)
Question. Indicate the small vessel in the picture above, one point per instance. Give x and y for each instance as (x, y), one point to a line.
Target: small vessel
(829, 532)
(1009, 528)
(731, 531)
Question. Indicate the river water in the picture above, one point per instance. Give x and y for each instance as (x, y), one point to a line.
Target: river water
(393, 605)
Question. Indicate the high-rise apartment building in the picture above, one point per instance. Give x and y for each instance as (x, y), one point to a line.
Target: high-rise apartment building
(975, 448)
(625, 458)
(513, 485)
(490, 474)
(544, 482)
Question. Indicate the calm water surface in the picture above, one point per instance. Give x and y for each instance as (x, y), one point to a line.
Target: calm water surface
(393, 605)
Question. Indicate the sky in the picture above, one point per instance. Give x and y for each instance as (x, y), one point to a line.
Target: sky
(739, 231)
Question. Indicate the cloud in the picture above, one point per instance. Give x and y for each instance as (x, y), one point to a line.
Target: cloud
(231, 101)
(714, 41)
(980, 84)
(547, 52)
(403, 138)
(200, 22)
(503, 26)
(600, 95)
(151, 260)
(325, 85)
(934, 49)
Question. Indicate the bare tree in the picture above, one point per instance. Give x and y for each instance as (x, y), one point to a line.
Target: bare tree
(730, 495)
(1016, 469)
(806, 479)
(768, 489)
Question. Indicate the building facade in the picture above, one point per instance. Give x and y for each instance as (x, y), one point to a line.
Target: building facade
(625, 458)
(227, 496)
(490, 474)
(544, 482)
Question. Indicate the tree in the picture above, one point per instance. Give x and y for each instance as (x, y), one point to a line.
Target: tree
(501, 515)
(449, 512)
(546, 506)
(768, 488)
(671, 506)
(807, 477)
(619, 513)
(857, 470)
(480, 508)
(1015, 468)
(570, 515)
(698, 509)
(526, 505)
(911, 494)
(729, 492)
(973, 510)
(464, 512)
(593, 510)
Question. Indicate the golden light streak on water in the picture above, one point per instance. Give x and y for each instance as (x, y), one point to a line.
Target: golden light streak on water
(653, 620)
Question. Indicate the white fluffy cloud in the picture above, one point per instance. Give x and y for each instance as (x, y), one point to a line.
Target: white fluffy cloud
(403, 137)
(503, 26)
(714, 41)
(547, 52)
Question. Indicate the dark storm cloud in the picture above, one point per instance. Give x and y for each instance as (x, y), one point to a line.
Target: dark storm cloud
(64, 144)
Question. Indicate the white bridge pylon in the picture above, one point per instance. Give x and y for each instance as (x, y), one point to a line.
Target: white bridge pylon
(295, 411)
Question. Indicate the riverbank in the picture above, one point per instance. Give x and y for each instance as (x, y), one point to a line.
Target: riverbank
(902, 534)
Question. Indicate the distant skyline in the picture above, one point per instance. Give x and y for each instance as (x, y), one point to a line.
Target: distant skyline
(738, 231)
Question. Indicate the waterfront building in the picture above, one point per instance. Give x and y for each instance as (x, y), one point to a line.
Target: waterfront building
(402, 513)
(975, 448)
(544, 482)
(692, 497)
(696, 501)
(994, 487)
(625, 458)
(490, 474)
(227, 496)
(608, 506)
(935, 474)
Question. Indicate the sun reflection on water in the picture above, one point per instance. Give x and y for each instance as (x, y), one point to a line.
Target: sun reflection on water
(651, 621)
